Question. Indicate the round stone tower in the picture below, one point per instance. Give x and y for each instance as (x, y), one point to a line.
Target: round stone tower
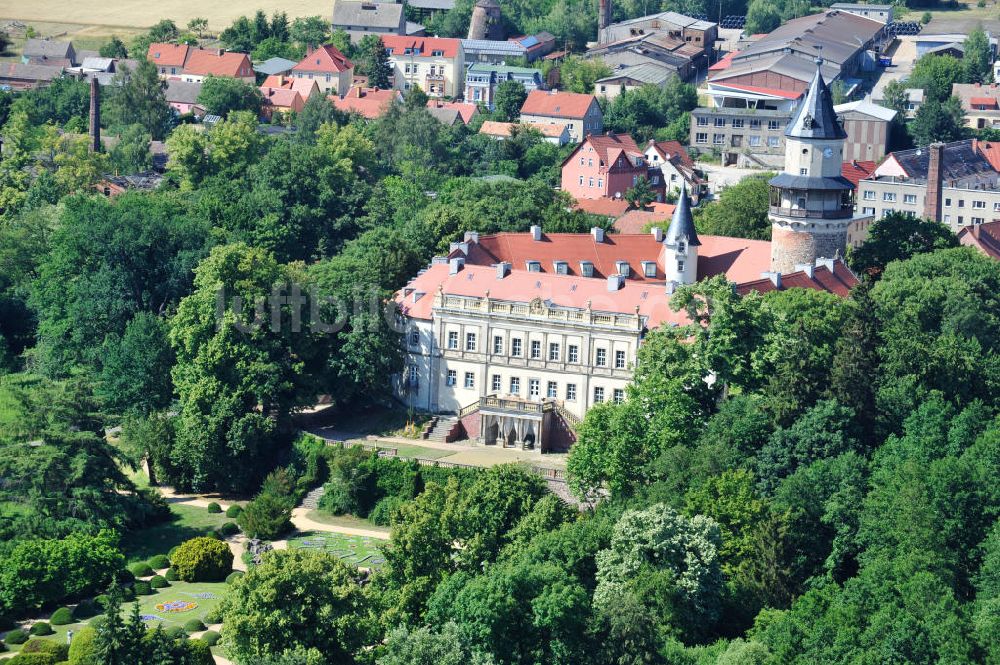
(812, 204)
(486, 22)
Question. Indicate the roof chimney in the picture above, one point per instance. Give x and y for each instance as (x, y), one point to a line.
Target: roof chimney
(807, 268)
(775, 278)
(932, 204)
(455, 265)
(502, 269)
(598, 233)
(657, 234)
(536, 232)
(615, 282)
(471, 236)
(829, 264)
(460, 246)
(671, 287)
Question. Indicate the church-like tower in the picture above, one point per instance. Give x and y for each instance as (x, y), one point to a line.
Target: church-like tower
(680, 244)
(812, 204)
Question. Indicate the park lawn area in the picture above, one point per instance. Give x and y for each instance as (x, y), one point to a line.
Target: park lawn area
(423, 452)
(189, 522)
(345, 520)
(353, 550)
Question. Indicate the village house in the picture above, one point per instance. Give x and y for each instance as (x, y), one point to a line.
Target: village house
(555, 134)
(580, 114)
(304, 87)
(481, 81)
(436, 65)
(981, 104)
(20, 76)
(606, 166)
(195, 64)
(676, 167)
(280, 100)
(183, 97)
(48, 52)
(465, 112)
(328, 67)
(370, 103)
(360, 18)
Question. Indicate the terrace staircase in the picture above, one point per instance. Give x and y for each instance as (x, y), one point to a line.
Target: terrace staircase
(440, 428)
(312, 498)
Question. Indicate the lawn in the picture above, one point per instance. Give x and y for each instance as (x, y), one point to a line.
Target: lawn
(189, 522)
(354, 550)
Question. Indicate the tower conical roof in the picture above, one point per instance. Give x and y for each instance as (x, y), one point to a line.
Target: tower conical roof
(815, 117)
(682, 223)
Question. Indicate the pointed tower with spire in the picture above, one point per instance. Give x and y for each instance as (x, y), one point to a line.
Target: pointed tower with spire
(812, 204)
(680, 245)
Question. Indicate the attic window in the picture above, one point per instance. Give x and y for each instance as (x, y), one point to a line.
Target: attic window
(317, 61)
(156, 55)
(562, 268)
(622, 267)
(586, 268)
(534, 266)
(437, 52)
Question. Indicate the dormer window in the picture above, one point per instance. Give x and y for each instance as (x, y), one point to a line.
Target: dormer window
(586, 268)
(562, 268)
(622, 268)
(681, 245)
(534, 266)
(649, 268)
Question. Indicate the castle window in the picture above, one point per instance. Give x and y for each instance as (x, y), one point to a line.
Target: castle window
(452, 378)
(536, 349)
(598, 395)
(573, 353)
(552, 390)
(619, 360)
(619, 395)
(515, 385)
(453, 340)
(533, 387)
(570, 392)
(495, 383)
(515, 347)
(470, 380)
(602, 358)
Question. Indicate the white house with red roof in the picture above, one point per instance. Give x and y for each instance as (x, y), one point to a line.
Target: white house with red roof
(328, 67)
(580, 114)
(193, 65)
(434, 64)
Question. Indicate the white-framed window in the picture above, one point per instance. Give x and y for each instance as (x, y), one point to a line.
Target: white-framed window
(619, 395)
(701, 137)
(452, 377)
(470, 341)
(495, 383)
(977, 220)
(600, 183)
(552, 389)
(497, 344)
(803, 171)
(718, 139)
(601, 358)
(773, 141)
(470, 380)
(598, 394)
(720, 122)
(979, 205)
(754, 123)
(649, 268)
(533, 387)
(702, 121)
(619, 360)
(515, 385)
(590, 182)
(680, 266)
(553, 351)
(868, 195)
(515, 347)
(573, 353)
(889, 196)
(773, 125)
(996, 207)
(536, 349)
(453, 339)
(581, 181)
(754, 140)
(570, 392)
(868, 211)
(912, 198)
(737, 123)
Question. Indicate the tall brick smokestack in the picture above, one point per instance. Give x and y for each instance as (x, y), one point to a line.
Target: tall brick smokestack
(603, 19)
(932, 204)
(95, 115)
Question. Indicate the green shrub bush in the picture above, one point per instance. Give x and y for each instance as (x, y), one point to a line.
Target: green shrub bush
(173, 550)
(385, 509)
(32, 659)
(203, 560)
(234, 511)
(41, 628)
(142, 588)
(193, 626)
(140, 569)
(159, 582)
(128, 594)
(159, 562)
(210, 637)
(214, 615)
(229, 529)
(61, 617)
(268, 516)
(171, 575)
(101, 601)
(124, 576)
(175, 633)
(82, 650)
(233, 576)
(58, 650)
(16, 636)
(214, 508)
(85, 609)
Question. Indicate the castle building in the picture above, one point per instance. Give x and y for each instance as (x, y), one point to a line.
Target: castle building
(511, 338)
(812, 203)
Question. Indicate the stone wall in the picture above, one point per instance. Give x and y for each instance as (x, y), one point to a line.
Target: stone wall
(789, 247)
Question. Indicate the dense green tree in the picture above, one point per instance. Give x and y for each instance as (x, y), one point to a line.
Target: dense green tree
(935, 74)
(509, 99)
(296, 599)
(66, 102)
(640, 194)
(221, 95)
(897, 237)
(137, 97)
(423, 646)
(131, 153)
(938, 122)
(740, 212)
(762, 17)
(640, 113)
(135, 368)
(894, 97)
(115, 48)
(579, 75)
(977, 63)
(239, 36)
(374, 61)
(310, 30)
(188, 156)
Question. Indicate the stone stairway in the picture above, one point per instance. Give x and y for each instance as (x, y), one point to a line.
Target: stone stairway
(312, 498)
(441, 429)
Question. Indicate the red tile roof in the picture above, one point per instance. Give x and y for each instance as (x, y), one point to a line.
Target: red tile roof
(984, 237)
(724, 62)
(303, 86)
(423, 47)
(494, 128)
(326, 59)
(167, 55)
(467, 111)
(369, 102)
(205, 62)
(606, 207)
(669, 149)
(989, 102)
(857, 171)
(608, 148)
(282, 98)
(989, 150)
(634, 221)
(557, 104)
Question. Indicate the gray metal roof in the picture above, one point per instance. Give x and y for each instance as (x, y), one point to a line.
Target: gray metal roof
(789, 181)
(30, 72)
(652, 73)
(273, 66)
(182, 92)
(682, 223)
(98, 64)
(838, 34)
(46, 48)
(815, 117)
(473, 46)
(435, 5)
(386, 15)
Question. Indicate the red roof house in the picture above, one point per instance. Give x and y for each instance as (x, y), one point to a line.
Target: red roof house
(328, 67)
(194, 64)
(580, 113)
(369, 102)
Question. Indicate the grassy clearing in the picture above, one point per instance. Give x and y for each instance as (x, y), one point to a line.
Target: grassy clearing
(404, 450)
(349, 521)
(354, 550)
(189, 522)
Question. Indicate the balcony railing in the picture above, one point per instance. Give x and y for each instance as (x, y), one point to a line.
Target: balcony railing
(841, 213)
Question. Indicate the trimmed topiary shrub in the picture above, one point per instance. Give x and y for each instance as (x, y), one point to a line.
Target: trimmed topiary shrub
(159, 562)
(82, 650)
(140, 569)
(159, 582)
(57, 650)
(210, 637)
(203, 560)
(233, 576)
(228, 529)
(213, 616)
(101, 601)
(142, 588)
(193, 626)
(175, 633)
(171, 575)
(16, 636)
(172, 551)
(61, 617)
(214, 507)
(41, 628)
(84, 610)
(32, 659)
(234, 511)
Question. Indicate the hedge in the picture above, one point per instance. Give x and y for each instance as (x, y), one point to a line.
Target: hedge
(203, 560)
(140, 569)
(171, 575)
(233, 576)
(33, 659)
(175, 633)
(234, 511)
(16, 636)
(41, 628)
(61, 617)
(214, 507)
(210, 637)
(229, 529)
(214, 615)
(159, 562)
(143, 588)
(57, 649)
(159, 582)
(84, 610)
(193, 626)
